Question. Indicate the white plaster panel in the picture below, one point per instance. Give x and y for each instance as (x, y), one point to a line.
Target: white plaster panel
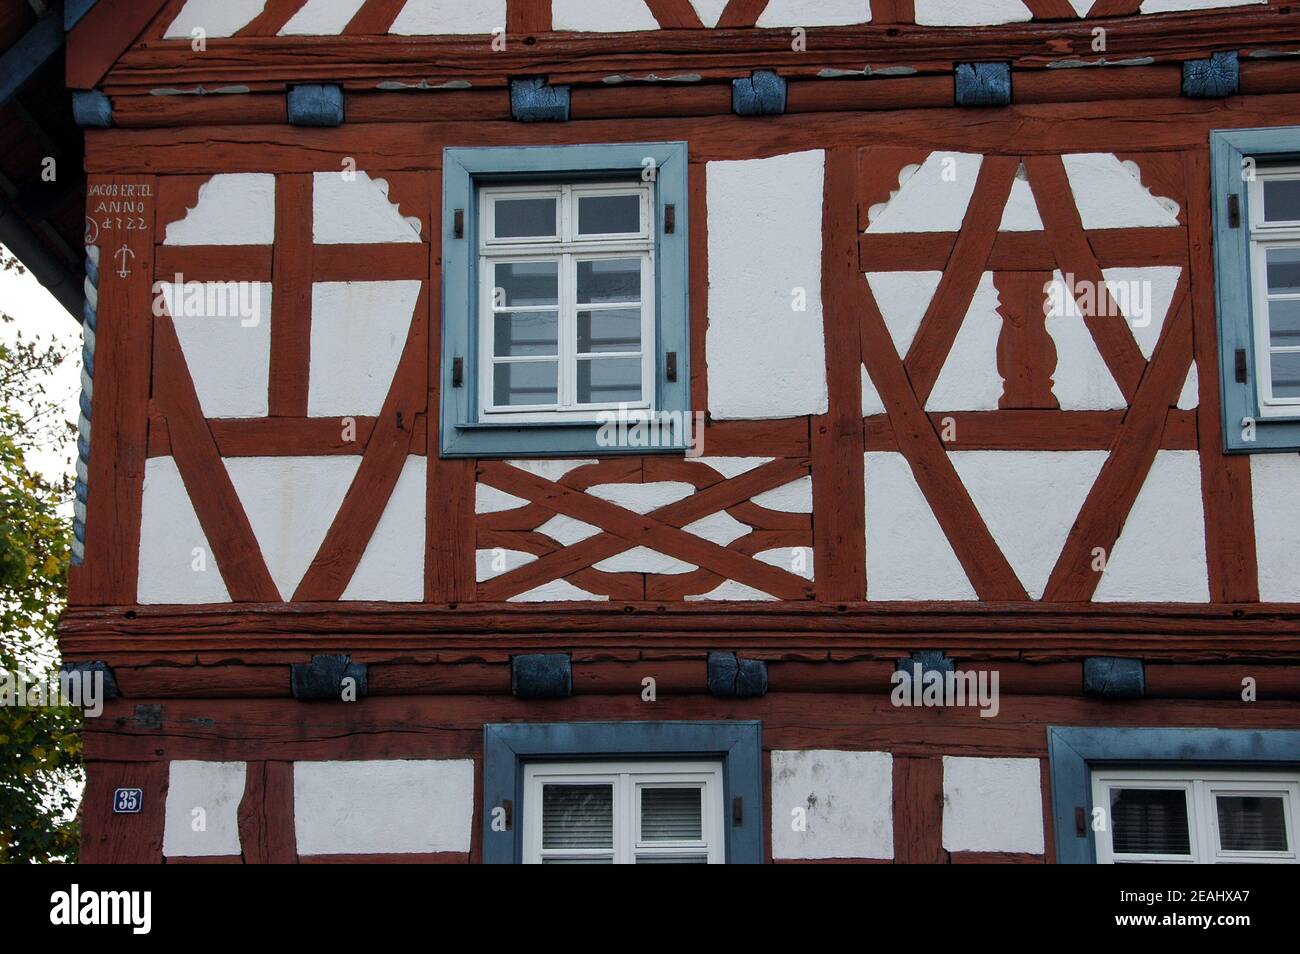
(1190, 396)
(1081, 380)
(1160, 554)
(732, 466)
(567, 530)
(846, 798)
(1029, 500)
(902, 298)
(1110, 195)
(969, 379)
(492, 563)
(908, 554)
(427, 17)
(765, 359)
(1274, 479)
(204, 795)
(321, 18)
(358, 331)
(556, 591)
(170, 535)
(794, 497)
(291, 502)
(643, 498)
(809, 13)
(383, 806)
(720, 528)
(1021, 211)
(930, 198)
(229, 355)
(608, 16)
(644, 560)
(992, 805)
(357, 210)
(796, 560)
(966, 13)
(392, 566)
(1143, 295)
(235, 208)
(734, 591)
(1081, 7)
(551, 470)
(709, 11)
(214, 17)
(488, 499)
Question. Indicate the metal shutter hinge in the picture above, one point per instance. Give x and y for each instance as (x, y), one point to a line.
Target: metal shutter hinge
(1241, 365)
(457, 372)
(1234, 211)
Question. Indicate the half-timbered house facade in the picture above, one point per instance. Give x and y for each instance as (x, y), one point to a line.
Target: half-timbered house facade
(691, 430)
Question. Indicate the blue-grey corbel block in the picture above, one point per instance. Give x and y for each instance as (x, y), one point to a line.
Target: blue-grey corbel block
(322, 678)
(739, 678)
(92, 108)
(315, 105)
(94, 666)
(983, 84)
(760, 94)
(1214, 78)
(532, 101)
(931, 660)
(541, 676)
(1114, 678)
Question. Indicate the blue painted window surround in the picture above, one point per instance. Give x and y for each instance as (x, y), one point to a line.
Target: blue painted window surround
(1074, 752)
(467, 170)
(507, 746)
(1235, 153)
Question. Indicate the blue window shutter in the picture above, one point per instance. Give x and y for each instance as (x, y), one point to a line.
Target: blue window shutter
(460, 433)
(1228, 149)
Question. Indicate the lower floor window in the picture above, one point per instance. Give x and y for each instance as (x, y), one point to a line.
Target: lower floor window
(1195, 816)
(623, 813)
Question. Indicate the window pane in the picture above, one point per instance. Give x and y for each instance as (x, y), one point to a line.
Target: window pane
(1286, 374)
(1284, 323)
(577, 861)
(609, 380)
(528, 382)
(578, 816)
(1283, 271)
(519, 284)
(524, 218)
(1149, 821)
(671, 860)
(608, 214)
(614, 330)
(1281, 200)
(1251, 823)
(614, 280)
(671, 814)
(524, 333)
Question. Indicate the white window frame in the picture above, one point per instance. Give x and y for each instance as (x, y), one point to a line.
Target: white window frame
(567, 247)
(1201, 786)
(628, 779)
(1265, 236)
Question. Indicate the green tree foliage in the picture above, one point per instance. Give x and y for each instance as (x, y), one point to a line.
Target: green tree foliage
(40, 748)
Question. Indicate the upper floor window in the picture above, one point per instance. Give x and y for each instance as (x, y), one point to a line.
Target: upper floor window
(1257, 280)
(567, 280)
(565, 303)
(1274, 204)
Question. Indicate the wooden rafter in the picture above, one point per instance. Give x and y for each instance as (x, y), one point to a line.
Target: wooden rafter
(961, 276)
(1107, 506)
(659, 529)
(207, 482)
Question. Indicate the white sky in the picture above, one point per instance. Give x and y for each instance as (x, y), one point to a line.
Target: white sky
(38, 315)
